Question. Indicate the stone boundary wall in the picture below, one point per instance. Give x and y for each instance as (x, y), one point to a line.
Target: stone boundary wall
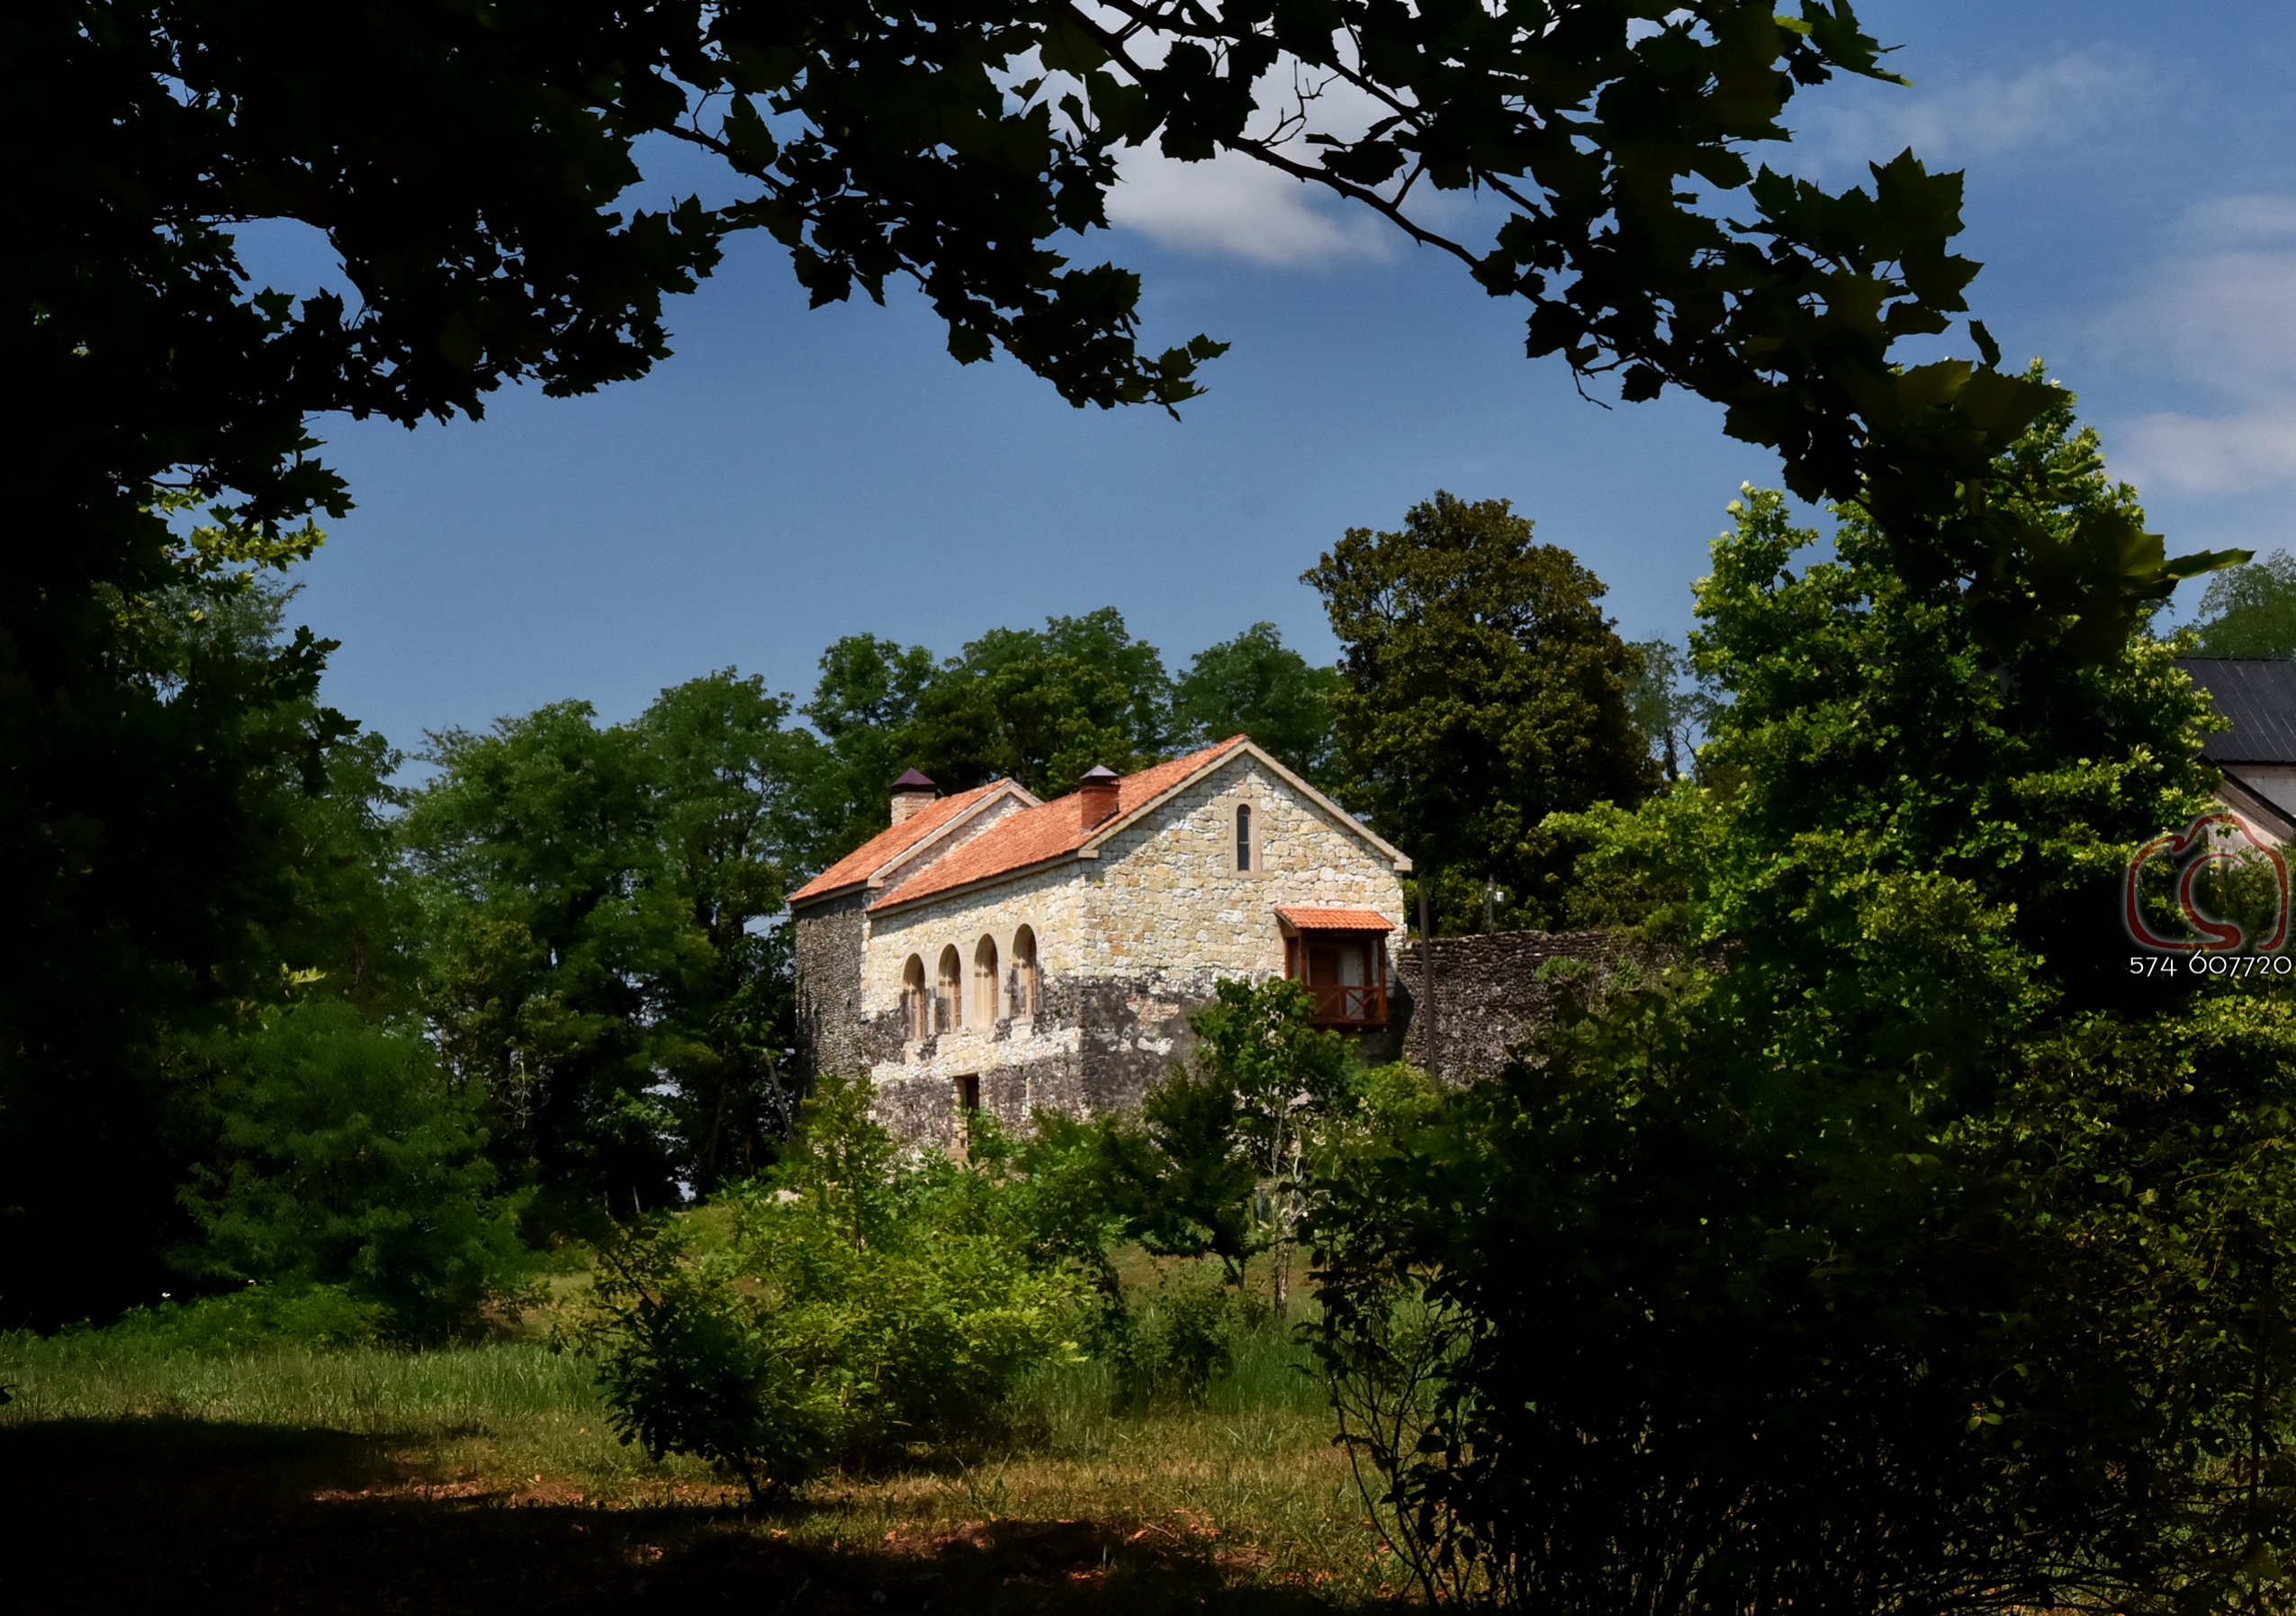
(1488, 995)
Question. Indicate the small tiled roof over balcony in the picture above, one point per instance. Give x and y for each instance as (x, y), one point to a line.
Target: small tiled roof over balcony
(1334, 920)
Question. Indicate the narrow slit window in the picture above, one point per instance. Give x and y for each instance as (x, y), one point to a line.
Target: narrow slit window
(1244, 835)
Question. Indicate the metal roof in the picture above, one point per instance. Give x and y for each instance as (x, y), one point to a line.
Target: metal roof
(2260, 699)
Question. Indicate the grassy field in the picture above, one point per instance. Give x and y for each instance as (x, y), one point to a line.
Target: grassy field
(487, 1478)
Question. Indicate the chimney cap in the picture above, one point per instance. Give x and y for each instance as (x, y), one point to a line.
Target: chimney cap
(914, 781)
(1098, 775)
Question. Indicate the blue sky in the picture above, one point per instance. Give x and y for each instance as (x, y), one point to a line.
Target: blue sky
(790, 476)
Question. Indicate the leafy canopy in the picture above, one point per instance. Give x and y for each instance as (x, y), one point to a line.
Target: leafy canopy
(1895, 1247)
(1483, 690)
(1257, 685)
(347, 1160)
(2250, 610)
(1039, 705)
(599, 961)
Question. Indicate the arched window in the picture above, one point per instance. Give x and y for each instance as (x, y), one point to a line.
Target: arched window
(984, 982)
(949, 1002)
(1028, 988)
(1244, 837)
(916, 1019)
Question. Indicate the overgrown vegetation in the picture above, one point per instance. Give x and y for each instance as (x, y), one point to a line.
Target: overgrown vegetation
(860, 1308)
(1877, 1244)
(1896, 1248)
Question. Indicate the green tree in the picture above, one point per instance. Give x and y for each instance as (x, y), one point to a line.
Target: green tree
(1043, 705)
(1897, 1247)
(552, 928)
(1257, 685)
(1287, 1076)
(344, 1159)
(191, 860)
(1179, 1175)
(1210, 1166)
(2250, 610)
(865, 706)
(1038, 706)
(604, 956)
(1669, 708)
(1484, 691)
(344, 923)
(736, 794)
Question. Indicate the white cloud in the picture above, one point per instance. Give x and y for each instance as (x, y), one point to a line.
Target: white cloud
(1231, 206)
(2219, 318)
(2052, 105)
(2225, 454)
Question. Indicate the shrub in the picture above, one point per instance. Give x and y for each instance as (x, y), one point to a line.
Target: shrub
(1169, 1347)
(1895, 1249)
(346, 1161)
(862, 1308)
(321, 1317)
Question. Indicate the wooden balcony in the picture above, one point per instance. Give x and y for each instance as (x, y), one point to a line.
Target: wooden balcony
(1349, 1005)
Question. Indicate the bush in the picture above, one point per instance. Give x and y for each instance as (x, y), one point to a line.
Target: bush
(325, 1318)
(346, 1161)
(862, 1308)
(1894, 1250)
(1169, 1347)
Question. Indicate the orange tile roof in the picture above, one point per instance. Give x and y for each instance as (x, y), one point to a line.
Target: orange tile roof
(1335, 920)
(1048, 831)
(890, 844)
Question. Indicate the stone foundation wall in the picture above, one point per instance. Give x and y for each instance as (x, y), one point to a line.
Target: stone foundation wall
(1488, 996)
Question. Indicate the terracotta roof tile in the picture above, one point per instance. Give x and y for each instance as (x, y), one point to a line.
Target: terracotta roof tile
(1335, 920)
(1047, 831)
(890, 844)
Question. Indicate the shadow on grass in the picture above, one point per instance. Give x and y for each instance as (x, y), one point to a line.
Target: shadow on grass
(172, 1515)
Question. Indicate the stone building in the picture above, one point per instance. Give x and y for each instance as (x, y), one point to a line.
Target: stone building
(987, 950)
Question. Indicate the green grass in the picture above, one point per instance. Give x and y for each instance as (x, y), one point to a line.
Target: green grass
(1166, 1508)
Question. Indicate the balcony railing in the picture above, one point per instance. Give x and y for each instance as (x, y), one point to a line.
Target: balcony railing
(1358, 1004)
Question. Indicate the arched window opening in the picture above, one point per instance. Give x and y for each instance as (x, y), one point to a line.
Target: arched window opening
(1027, 984)
(949, 1005)
(915, 1019)
(1244, 837)
(984, 982)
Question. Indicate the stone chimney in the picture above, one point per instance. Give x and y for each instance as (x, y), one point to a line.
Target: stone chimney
(1096, 796)
(911, 793)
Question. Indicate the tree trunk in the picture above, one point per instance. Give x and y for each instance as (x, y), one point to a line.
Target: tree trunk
(1491, 905)
(1427, 973)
